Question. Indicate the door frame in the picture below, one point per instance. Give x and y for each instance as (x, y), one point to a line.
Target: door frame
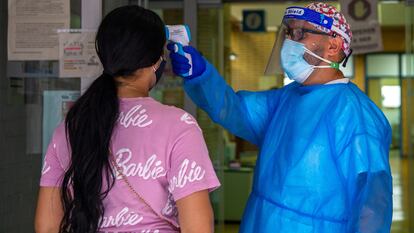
(399, 77)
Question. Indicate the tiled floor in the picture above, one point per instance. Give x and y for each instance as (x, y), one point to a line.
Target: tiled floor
(403, 188)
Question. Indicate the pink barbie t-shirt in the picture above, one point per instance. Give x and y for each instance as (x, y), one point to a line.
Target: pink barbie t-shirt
(160, 150)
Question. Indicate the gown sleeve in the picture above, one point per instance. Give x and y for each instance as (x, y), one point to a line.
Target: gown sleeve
(245, 114)
(369, 184)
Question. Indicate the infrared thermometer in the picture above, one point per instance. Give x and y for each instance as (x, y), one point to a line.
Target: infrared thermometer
(180, 35)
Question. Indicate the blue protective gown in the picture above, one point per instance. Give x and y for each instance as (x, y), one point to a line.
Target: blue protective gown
(323, 163)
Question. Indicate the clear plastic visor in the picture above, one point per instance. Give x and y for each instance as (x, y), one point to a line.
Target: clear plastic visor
(295, 30)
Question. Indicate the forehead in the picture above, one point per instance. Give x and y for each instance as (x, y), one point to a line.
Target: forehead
(294, 23)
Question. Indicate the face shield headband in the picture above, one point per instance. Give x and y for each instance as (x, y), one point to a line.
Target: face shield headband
(301, 14)
(311, 16)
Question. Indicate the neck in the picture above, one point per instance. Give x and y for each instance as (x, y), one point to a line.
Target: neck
(323, 75)
(127, 91)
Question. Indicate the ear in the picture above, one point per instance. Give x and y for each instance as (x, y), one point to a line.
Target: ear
(335, 48)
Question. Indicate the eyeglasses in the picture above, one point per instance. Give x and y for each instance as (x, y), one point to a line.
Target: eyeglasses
(298, 34)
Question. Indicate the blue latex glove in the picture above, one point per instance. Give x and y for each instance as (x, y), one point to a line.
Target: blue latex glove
(181, 65)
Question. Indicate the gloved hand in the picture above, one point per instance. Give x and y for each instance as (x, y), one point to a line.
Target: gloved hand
(181, 65)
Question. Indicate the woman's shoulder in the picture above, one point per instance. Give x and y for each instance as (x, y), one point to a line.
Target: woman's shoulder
(179, 116)
(156, 114)
(179, 120)
(60, 132)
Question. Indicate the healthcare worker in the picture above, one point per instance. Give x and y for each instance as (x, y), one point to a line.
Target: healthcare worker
(323, 164)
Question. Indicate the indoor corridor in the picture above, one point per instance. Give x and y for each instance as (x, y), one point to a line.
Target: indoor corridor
(43, 74)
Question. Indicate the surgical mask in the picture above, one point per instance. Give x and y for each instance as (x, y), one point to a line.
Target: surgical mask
(295, 65)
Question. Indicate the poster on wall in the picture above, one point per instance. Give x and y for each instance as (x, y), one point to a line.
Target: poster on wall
(362, 15)
(56, 105)
(32, 28)
(77, 55)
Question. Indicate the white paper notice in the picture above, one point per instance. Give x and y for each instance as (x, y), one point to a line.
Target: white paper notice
(367, 38)
(77, 55)
(32, 28)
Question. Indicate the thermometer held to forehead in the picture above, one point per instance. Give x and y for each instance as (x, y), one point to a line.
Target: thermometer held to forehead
(180, 35)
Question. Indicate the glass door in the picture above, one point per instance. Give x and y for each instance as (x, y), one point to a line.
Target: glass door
(210, 44)
(384, 88)
(33, 100)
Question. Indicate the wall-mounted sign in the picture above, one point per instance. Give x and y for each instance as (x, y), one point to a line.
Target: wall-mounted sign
(77, 54)
(254, 21)
(360, 10)
(32, 28)
(362, 15)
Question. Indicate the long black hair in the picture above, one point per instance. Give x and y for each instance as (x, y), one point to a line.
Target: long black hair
(129, 38)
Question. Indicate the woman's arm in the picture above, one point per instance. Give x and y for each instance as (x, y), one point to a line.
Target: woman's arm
(195, 213)
(49, 210)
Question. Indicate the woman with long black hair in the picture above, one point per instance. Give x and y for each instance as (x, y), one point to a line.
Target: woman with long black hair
(121, 161)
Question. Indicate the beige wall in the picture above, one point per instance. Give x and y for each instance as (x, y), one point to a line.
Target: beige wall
(359, 71)
(252, 50)
(407, 115)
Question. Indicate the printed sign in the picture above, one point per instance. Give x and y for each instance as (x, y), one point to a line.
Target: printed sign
(77, 55)
(254, 21)
(32, 28)
(362, 15)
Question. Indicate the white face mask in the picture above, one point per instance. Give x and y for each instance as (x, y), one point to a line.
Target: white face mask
(294, 64)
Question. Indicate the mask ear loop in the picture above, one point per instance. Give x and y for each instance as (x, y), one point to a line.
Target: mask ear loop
(155, 67)
(334, 65)
(347, 57)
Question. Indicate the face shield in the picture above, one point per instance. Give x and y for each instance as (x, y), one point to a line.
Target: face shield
(296, 23)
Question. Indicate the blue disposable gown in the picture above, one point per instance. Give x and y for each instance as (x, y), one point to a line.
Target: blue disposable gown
(323, 164)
